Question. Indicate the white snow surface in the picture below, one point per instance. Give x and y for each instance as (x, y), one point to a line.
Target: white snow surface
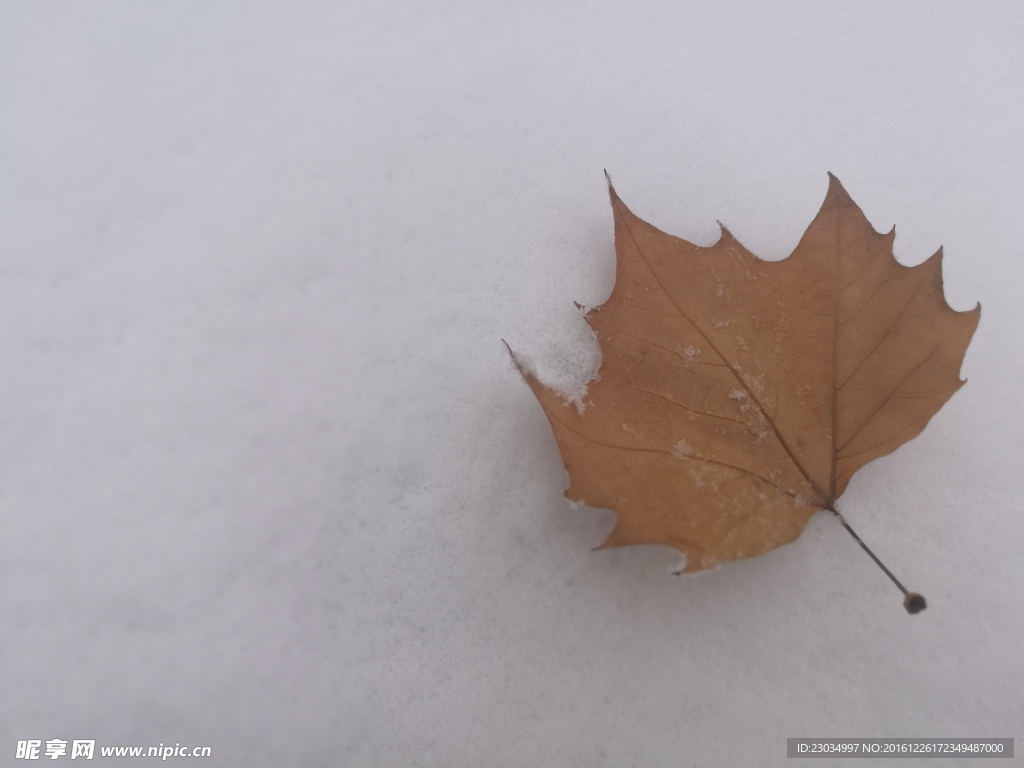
(271, 482)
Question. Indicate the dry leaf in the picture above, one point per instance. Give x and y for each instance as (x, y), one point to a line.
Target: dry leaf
(736, 397)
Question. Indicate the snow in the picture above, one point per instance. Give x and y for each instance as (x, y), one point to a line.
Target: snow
(576, 397)
(676, 568)
(682, 449)
(270, 482)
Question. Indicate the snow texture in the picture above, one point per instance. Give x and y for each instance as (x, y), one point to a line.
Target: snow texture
(270, 482)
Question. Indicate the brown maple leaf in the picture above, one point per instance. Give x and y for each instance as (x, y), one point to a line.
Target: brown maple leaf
(736, 397)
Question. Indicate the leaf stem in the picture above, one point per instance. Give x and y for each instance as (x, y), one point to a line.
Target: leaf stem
(912, 601)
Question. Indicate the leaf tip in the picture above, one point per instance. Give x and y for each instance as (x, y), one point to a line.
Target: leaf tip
(836, 191)
(584, 309)
(935, 262)
(613, 540)
(723, 232)
(914, 603)
(523, 365)
(611, 187)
